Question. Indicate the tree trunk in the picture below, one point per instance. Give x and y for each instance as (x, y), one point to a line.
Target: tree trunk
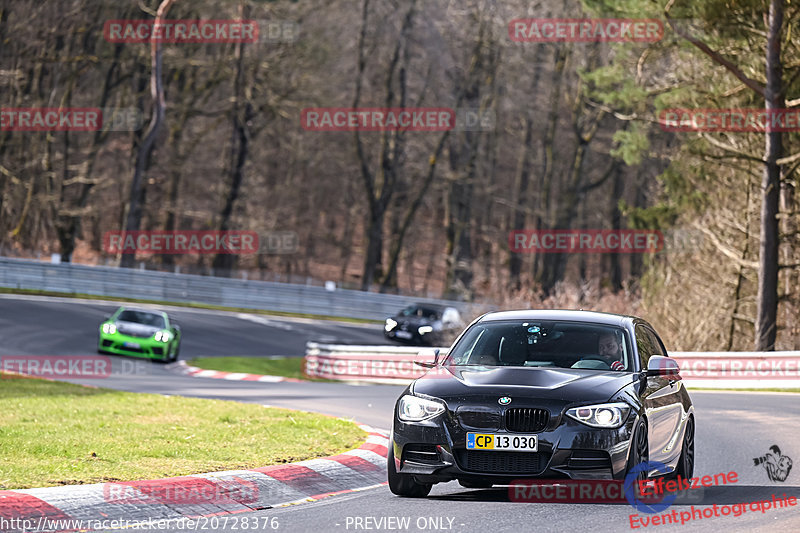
(242, 114)
(767, 310)
(137, 191)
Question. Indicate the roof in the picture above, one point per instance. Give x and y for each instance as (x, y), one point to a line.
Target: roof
(592, 317)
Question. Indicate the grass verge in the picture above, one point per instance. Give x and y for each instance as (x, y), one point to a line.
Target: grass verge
(288, 367)
(193, 305)
(54, 433)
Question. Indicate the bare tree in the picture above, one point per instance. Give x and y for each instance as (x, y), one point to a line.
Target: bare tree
(133, 220)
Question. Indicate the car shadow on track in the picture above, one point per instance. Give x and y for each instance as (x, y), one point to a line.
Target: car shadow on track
(720, 495)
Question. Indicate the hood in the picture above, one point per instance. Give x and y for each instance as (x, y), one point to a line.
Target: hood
(458, 383)
(134, 329)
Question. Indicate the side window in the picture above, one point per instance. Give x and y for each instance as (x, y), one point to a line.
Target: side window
(658, 346)
(644, 345)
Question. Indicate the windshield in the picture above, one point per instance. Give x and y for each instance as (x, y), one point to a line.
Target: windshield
(141, 317)
(543, 344)
(420, 311)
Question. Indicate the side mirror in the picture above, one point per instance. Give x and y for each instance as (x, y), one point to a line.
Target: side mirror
(427, 358)
(658, 365)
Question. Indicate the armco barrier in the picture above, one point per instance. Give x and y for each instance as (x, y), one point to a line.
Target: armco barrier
(374, 364)
(717, 370)
(170, 287)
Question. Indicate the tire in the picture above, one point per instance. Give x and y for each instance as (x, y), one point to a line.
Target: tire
(475, 484)
(685, 467)
(404, 484)
(639, 451)
(174, 356)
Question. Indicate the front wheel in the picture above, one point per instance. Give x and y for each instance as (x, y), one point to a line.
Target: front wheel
(685, 467)
(640, 450)
(404, 484)
(175, 352)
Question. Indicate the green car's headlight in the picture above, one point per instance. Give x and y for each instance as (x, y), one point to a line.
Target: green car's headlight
(605, 415)
(109, 328)
(415, 409)
(163, 336)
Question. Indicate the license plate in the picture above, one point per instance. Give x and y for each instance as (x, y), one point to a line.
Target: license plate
(502, 442)
(127, 344)
(403, 334)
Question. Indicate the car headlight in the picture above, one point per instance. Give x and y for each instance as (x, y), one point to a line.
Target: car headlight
(415, 409)
(606, 415)
(390, 324)
(425, 329)
(162, 336)
(109, 328)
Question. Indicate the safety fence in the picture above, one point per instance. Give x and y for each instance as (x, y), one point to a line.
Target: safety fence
(112, 282)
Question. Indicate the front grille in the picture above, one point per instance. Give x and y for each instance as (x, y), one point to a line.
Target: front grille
(107, 342)
(526, 419)
(588, 459)
(502, 462)
(478, 419)
(157, 350)
(421, 453)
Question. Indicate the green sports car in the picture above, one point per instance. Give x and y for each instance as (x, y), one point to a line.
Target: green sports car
(140, 333)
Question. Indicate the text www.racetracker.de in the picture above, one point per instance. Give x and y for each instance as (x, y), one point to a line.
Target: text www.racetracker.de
(213, 523)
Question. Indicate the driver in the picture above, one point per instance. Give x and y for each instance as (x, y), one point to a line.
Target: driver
(610, 348)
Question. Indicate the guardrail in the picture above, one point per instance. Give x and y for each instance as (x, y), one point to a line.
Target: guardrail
(189, 288)
(716, 370)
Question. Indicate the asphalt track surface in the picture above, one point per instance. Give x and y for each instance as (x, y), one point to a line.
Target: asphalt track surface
(732, 429)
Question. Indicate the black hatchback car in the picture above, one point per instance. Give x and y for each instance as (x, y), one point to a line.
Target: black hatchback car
(542, 394)
(424, 324)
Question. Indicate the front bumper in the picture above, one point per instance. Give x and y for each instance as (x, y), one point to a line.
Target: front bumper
(121, 344)
(411, 335)
(435, 451)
